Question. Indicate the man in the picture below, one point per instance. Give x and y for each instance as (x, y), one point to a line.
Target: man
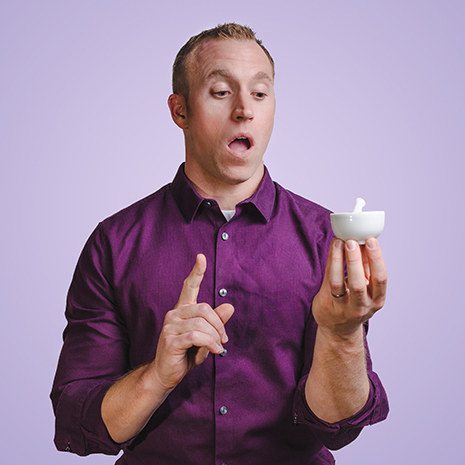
(259, 355)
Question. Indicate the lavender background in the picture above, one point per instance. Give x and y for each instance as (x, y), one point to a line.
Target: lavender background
(370, 102)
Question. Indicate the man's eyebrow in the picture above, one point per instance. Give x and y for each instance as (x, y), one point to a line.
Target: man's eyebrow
(261, 75)
(219, 72)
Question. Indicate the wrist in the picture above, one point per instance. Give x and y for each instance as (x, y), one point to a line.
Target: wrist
(347, 339)
(151, 384)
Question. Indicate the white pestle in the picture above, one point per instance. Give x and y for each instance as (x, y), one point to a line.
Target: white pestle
(359, 204)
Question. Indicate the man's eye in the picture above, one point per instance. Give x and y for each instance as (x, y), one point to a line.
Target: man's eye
(221, 93)
(260, 95)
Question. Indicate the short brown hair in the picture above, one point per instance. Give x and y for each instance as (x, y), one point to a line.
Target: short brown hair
(221, 32)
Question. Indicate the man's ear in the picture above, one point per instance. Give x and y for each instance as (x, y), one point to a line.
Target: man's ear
(178, 109)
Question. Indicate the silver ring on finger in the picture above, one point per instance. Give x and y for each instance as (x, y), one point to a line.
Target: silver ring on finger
(338, 296)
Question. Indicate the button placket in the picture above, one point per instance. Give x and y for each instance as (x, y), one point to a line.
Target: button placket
(223, 412)
(223, 291)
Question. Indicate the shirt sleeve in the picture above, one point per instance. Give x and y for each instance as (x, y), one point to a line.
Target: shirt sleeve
(93, 357)
(337, 435)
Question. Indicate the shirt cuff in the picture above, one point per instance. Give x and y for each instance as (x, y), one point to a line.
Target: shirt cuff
(79, 425)
(341, 433)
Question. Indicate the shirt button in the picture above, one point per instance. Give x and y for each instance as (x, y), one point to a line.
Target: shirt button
(222, 292)
(208, 203)
(225, 236)
(223, 410)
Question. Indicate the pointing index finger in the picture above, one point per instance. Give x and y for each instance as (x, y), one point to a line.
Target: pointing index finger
(191, 286)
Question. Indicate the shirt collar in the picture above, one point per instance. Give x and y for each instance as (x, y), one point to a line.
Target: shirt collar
(189, 200)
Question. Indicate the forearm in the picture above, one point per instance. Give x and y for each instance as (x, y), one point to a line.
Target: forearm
(131, 401)
(337, 386)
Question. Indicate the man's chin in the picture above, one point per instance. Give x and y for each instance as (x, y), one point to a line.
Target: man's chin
(235, 175)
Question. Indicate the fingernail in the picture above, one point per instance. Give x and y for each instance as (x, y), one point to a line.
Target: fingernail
(220, 349)
(338, 244)
(371, 243)
(225, 338)
(350, 245)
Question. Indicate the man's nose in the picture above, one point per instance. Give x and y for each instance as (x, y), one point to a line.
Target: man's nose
(242, 109)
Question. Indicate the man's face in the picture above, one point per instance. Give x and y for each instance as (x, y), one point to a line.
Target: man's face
(230, 112)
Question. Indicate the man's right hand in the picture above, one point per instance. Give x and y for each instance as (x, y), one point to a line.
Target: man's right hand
(190, 331)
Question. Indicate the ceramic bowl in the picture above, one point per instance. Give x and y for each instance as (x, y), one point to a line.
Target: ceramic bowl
(357, 226)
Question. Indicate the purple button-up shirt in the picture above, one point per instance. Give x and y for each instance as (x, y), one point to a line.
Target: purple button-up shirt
(245, 407)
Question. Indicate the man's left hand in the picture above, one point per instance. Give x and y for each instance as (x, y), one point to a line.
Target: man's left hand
(344, 303)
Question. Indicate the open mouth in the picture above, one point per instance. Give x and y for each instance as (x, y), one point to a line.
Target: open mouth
(240, 144)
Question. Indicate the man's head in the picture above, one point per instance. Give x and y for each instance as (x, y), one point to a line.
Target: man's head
(185, 56)
(228, 113)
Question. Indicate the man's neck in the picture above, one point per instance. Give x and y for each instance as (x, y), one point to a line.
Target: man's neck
(227, 195)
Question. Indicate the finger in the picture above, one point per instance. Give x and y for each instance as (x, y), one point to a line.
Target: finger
(366, 263)
(194, 324)
(201, 355)
(378, 280)
(191, 285)
(204, 311)
(335, 268)
(356, 278)
(225, 312)
(198, 339)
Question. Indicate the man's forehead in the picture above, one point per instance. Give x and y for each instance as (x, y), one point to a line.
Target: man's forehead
(215, 57)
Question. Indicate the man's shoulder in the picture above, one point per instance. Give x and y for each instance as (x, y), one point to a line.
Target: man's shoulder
(140, 212)
(297, 202)
(309, 219)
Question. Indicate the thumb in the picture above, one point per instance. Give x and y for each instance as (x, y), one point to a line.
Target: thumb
(191, 286)
(225, 312)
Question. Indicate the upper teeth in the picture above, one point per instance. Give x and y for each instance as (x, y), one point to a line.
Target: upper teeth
(242, 137)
